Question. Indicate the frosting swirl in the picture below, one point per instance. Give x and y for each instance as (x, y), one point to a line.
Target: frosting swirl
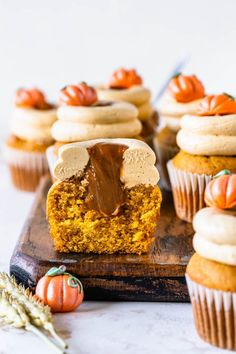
(104, 120)
(209, 135)
(215, 237)
(33, 124)
(172, 111)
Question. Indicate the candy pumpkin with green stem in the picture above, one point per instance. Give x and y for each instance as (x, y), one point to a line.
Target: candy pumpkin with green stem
(221, 191)
(60, 290)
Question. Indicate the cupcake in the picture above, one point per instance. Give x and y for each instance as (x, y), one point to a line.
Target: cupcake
(25, 148)
(106, 198)
(182, 96)
(81, 117)
(127, 86)
(211, 272)
(208, 144)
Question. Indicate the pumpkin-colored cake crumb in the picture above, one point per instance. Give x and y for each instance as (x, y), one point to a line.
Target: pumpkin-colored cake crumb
(30, 146)
(213, 275)
(208, 165)
(75, 228)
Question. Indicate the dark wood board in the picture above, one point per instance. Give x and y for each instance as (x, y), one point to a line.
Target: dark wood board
(158, 276)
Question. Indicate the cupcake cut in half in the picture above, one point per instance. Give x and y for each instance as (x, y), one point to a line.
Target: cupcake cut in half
(208, 145)
(106, 199)
(183, 95)
(211, 271)
(30, 136)
(126, 85)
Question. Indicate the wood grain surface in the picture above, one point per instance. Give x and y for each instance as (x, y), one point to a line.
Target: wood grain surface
(158, 276)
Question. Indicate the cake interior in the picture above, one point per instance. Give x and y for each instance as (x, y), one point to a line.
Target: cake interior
(76, 228)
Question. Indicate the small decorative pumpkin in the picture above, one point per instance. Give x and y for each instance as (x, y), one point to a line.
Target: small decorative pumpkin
(60, 290)
(78, 95)
(217, 105)
(123, 79)
(221, 191)
(185, 88)
(32, 98)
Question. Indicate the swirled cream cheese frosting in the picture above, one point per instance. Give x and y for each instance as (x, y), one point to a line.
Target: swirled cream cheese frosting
(213, 131)
(126, 85)
(138, 166)
(33, 117)
(108, 120)
(215, 236)
(33, 125)
(209, 135)
(184, 93)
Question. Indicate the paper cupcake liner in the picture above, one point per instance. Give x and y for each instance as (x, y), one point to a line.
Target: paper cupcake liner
(188, 191)
(214, 313)
(164, 154)
(51, 158)
(26, 168)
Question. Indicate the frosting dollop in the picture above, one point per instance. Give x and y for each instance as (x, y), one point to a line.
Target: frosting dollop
(215, 236)
(208, 135)
(138, 165)
(78, 95)
(172, 111)
(104, 120)
(123, 78)
(33, 124)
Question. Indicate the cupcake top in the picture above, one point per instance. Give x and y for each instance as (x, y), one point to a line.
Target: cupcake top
(127, 86)
(111, 166)
(215, 226)
(33, 116)
(182, 96)
(81, 116)
(212, 131)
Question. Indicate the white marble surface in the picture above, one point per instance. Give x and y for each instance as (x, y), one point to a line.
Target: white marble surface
(97, 327)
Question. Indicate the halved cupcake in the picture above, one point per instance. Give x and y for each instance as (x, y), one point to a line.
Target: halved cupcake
(208, 145)
(31, 135)
(182, 96)
(127, 86)
(106, 199)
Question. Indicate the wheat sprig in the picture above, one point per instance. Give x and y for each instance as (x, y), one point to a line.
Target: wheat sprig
(13, 313)
(39, 314)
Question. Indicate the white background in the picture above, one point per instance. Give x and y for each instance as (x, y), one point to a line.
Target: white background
(50, 43)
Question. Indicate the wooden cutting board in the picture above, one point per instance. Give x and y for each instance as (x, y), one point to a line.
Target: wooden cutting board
(158, 276)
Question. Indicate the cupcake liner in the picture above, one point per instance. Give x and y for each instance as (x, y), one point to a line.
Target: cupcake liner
(51, 158)
(164, 154)
(188, 191)
(26, 168)
(214, 313)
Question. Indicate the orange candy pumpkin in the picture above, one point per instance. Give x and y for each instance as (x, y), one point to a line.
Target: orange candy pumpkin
(32, 98)
(60, 290)
(123, 79)
(221, 191)
(78, 95)
(185, 88)
(217, 105)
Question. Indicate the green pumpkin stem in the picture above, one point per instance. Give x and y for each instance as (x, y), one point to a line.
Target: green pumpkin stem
(222, 173)
(228, 95)
(73, 282)
(176, 75)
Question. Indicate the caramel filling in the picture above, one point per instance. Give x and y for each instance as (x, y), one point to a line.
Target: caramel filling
(106, 193)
